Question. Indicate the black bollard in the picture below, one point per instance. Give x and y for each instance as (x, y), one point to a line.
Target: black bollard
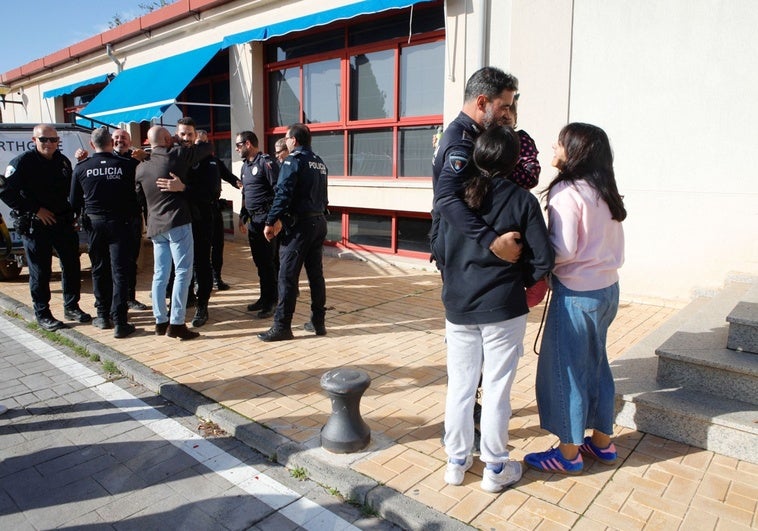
(345, 431)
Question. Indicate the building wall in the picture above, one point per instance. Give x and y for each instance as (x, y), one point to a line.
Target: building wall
(671, 82)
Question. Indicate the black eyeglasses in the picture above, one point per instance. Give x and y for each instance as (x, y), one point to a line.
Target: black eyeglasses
(46, 139)
(279, 151)
(240, 144)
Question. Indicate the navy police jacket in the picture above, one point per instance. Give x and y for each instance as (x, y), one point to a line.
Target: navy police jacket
(302, 187)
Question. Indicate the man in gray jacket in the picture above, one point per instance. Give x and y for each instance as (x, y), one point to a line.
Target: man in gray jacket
(169, 226)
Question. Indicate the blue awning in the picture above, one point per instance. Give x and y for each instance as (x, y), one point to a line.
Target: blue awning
(146, 91)
(317, 19)
(68, 89)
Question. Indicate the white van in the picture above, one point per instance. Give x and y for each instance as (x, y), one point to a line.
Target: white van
(14, 140)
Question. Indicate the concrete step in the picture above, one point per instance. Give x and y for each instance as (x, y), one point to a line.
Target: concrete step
(695, 357)
(743, 323)
(665, 408)
(727, 427)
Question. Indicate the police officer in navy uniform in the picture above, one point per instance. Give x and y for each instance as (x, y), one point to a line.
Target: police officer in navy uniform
(488, 98)
(104, 186)
(259, 176)
(202, 180)
(298, 215)
(37, 186)
(217, 221)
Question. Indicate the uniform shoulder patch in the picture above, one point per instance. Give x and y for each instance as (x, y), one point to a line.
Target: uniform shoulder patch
(10, 170)
(458, 160)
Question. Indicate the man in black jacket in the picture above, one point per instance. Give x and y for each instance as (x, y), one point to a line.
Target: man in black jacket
(103, 185)
(298, 214)
(217, 221)
(37, 186)
(259, 177)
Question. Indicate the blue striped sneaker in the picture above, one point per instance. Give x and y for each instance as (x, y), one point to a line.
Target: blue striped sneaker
(553, 461)
(607, 456)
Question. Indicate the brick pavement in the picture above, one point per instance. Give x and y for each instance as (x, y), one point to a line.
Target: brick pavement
(388, 321)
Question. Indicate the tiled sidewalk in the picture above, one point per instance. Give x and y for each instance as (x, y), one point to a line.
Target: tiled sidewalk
(389, 322)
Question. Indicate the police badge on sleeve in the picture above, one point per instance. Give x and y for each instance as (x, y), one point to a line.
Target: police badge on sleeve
(458, 160)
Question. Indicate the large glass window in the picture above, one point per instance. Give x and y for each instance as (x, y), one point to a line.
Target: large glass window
(398, 233)
(322, 91)
(330, 146)
(370, 230)
(372, 93)
(413, 234)
(374, 105)
(416, 150)
(421, 67)
(371, 153)
(284, 97)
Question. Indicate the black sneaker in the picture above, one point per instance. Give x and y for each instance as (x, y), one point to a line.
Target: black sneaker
(50, 323)
(124, 330)
(76, 314)
(276, 334)
(136, 305)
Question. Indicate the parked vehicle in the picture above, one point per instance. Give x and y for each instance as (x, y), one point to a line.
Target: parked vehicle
(14, 140)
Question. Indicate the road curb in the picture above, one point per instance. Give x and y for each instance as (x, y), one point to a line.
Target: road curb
(330, 470)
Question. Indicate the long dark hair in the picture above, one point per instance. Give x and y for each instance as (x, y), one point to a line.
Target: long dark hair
(496, 153)
(589, 158)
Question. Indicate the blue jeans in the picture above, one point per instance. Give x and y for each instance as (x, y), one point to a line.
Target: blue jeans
(575, 389)
(174, 245)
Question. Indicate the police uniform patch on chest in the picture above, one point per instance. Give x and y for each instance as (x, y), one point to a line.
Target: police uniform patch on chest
(458, 160)
(255, 170)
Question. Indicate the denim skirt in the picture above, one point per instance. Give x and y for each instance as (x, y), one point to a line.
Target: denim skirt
(574, 385)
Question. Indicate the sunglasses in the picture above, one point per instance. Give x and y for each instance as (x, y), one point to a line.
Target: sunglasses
(240, 144)
(46, 139)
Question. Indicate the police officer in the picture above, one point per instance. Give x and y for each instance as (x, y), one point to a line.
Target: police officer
(299, 213)
(259, 176)
(488, 98)
(37, 186)
(104, 186)
(202, 180)
(122, 145)
(217, 222)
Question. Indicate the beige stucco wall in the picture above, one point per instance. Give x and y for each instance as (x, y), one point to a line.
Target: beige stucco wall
(671, 82)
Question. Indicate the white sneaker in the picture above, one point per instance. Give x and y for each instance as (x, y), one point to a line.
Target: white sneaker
(509, 475)
(455, 473)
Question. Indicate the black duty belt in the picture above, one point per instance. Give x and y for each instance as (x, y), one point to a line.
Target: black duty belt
(311, 214)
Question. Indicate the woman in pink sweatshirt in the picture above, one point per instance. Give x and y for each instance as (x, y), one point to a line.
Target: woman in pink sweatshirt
(575, 390)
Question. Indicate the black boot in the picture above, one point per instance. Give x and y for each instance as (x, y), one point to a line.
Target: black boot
(124, 330)
(201, 315)
(181, 331)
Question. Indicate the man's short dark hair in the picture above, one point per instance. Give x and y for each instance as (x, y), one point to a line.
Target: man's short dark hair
(489, 82)
(249, 136)
(101, 137)
(187, 121)
(301, 133)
